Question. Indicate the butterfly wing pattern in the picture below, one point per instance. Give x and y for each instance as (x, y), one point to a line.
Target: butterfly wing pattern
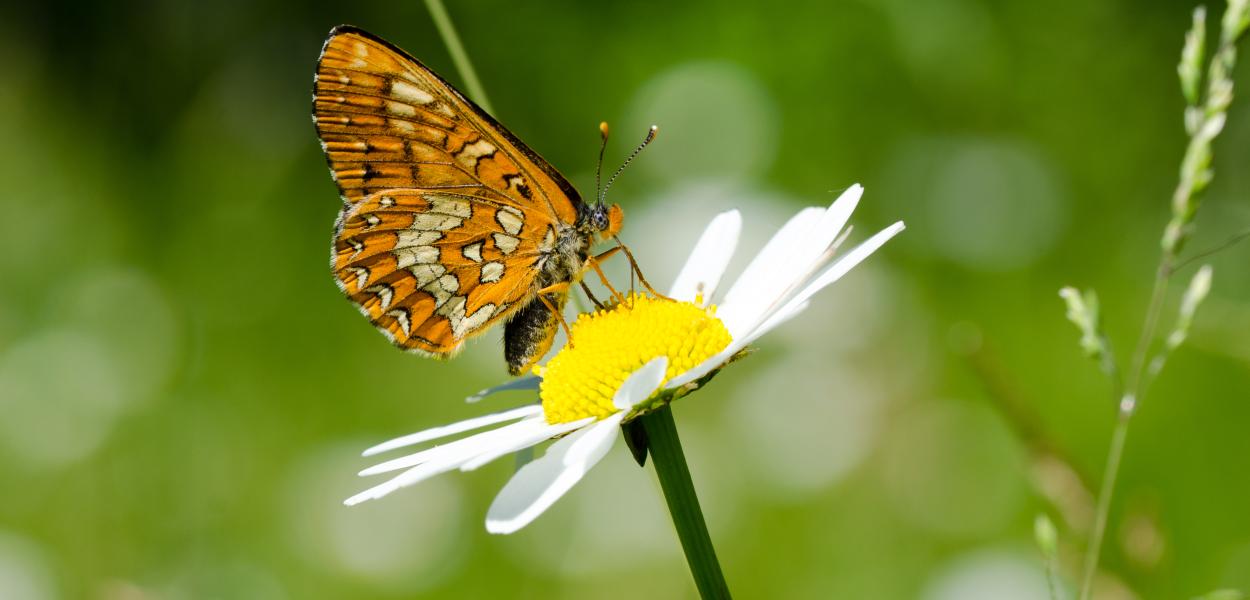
(449, 222)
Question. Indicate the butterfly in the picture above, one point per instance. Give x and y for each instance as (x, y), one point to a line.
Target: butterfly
(450, 224)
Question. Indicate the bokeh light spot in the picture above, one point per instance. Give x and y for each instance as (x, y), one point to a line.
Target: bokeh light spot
(990, 575)
(988, 205)
(404, 546)
(728, 122)
(24, 570)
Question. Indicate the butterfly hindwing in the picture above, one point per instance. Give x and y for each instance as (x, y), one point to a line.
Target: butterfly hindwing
(425, 270)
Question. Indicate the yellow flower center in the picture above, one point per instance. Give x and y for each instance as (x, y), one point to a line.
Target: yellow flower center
(610, 344)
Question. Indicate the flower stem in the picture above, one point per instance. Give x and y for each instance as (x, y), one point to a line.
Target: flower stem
(448, 31)
(683, 504)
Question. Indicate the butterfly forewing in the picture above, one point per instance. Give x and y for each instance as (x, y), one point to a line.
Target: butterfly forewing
(446, 214)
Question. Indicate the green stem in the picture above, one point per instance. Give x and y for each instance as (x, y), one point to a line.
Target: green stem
(683, 504)
(1128, 406)
(1050, 580)
(445, 28)
(1104, 504)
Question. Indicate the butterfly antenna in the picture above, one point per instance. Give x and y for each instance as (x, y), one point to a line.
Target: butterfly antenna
(603, 133)
(647, 140)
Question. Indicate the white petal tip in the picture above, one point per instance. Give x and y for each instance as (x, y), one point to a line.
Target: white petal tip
(502, 527)
(853, 193)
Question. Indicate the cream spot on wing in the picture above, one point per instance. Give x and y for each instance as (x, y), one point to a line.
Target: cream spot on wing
(449, 283)
(549, 241)
(372, 220)
(506, 243)
(361, 49)
(345, 80)
(362, 276)
(443, 289)
(471, 153)
(407, 91)
(510, 219)
(453, 309)
(443, 109)
(440, 296)
(415, 255)
(415, 237)
(435, 222)
(473, 252)
(450, 205)
(357, 246)
(492, 272)
(387, 201)
(401, 316)
(473, 321)
(427, 273)
(402, 125)
(384, 294)
(399, 108)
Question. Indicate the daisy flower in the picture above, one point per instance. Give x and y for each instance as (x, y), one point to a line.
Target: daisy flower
(635, 357)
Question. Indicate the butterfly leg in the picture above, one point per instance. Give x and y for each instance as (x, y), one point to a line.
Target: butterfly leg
(561, 288)
(633, 264)
(590, 295)
(593, 262)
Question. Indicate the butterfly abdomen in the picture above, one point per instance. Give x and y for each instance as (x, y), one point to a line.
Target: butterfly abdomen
(529, 333)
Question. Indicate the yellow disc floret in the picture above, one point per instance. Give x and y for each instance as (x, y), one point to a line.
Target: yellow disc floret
(610, 344)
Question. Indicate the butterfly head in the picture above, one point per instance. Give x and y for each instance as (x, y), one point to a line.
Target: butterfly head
(603, 220)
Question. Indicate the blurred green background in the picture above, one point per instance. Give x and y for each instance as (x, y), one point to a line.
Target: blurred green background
(184, 393)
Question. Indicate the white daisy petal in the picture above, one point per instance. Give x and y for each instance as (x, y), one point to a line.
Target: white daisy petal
(467, 447)
(640, 384)
(524, 383)
(534, 488)
(789, 311)
(446, 461)
(790, 267)
(772, 252)
(707, 262)
(462, 426)
(835, 271)
(524, 440)
(792, 307)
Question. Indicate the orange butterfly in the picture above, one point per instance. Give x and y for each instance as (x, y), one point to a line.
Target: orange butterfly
(449, 223)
